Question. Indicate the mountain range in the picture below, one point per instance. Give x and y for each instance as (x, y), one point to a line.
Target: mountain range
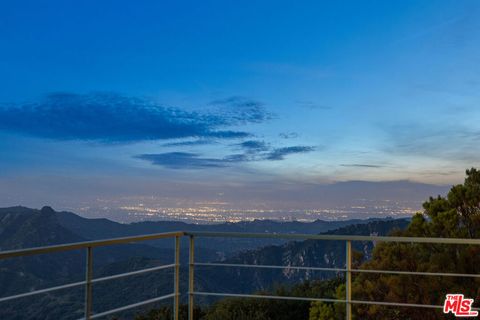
(22, 227)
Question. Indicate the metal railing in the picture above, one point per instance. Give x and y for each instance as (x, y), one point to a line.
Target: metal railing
(348, 270)
(89, 280)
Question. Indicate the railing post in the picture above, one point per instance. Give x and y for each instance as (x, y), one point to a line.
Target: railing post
(191, 288)
(348, 280)
(88, 283)
(176, 288)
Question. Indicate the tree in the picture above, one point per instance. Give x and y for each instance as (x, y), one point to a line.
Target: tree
(322, 311)
(454, 216)
(327, 310)
(166, 313)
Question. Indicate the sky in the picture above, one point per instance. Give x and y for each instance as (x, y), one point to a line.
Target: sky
(230, 101)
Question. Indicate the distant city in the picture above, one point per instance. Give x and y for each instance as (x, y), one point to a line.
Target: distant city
(206, 213)
(330, 202)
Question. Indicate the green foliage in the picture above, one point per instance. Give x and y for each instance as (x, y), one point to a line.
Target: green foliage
(327, 310)
(166, 313)
(268, 309)
(322, 311)
(260, 309)
(456, 216)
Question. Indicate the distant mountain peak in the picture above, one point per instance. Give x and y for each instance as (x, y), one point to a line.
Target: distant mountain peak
(47, 210)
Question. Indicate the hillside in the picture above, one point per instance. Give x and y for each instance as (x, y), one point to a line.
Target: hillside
(22, 227)
(308, 253)
(94, 229)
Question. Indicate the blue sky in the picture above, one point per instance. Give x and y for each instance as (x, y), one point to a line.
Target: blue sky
(224, 93)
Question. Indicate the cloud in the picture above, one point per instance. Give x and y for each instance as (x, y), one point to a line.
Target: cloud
(241, 110)
(109, 117)
(262, 151)
(187, 160)
(288, 135)
(360, 165)
(182, 160)
(239, 157)
(450, 30)
(450, 142)
(189, 143)
(280, 153)
(254, 146)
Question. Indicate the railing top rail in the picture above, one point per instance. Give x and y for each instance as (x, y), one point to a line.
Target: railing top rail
(293, 236)
(298, 236)
(86, 244)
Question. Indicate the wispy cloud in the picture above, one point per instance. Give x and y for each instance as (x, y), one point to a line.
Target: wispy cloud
(241, 110)
(109, 117)
(288, 135)
(453, 142)
(280, 153)
(254, 146)
(361, 165)
(182, 160)
(189, 143)
(187, 160)
(444, 28)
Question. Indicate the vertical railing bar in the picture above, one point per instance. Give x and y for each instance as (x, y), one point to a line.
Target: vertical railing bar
(88, 283)
(348, 280)
(177, 279)
(191, 278)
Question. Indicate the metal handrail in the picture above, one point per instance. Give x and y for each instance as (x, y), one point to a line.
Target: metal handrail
(266, 266)
(289, 267)
(86, 244)
(348, 270)
(89, 280)
(332, 237)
